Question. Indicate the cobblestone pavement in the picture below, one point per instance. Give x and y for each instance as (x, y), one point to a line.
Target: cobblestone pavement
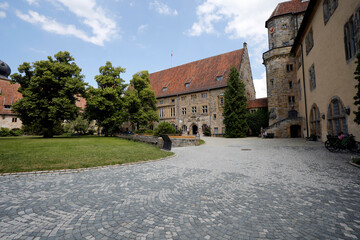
(225, 189)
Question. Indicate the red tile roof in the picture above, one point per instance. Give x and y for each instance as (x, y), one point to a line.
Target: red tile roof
(9, 95)
(257, 103)
(293, 6)
(199, 75)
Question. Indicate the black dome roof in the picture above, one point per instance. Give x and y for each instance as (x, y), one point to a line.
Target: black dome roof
(4, 70)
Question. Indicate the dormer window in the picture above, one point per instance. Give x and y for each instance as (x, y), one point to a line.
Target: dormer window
(219, 78)
(7, 106)
(164, 89)
(188, 81)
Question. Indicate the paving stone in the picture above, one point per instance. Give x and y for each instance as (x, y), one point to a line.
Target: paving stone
(282, 189)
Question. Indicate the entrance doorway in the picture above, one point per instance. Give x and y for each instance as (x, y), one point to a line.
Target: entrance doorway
(194, 129)
(295, 131)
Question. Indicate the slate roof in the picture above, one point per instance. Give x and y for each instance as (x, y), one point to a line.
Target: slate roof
(195, 76)
(257, 103)
(289, 7)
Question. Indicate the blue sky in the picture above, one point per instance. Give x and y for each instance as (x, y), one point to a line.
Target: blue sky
(134, 34)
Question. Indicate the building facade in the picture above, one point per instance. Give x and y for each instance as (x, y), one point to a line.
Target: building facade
(282, 93)
(325, 51)
(191, 96)
(8, 96)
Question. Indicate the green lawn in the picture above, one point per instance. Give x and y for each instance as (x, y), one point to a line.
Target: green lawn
(24, 154)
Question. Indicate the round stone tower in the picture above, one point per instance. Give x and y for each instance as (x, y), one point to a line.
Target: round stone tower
(282, 89)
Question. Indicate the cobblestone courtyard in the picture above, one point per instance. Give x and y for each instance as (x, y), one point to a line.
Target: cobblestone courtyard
(225, 189)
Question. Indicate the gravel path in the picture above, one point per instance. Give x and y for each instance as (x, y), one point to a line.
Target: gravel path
(226, 189)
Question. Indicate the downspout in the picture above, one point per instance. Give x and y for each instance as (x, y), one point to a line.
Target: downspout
(305, 100)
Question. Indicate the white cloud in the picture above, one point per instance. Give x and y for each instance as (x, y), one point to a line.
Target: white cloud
(33, 2)
(243, 18)
(103, 28)
(4, 5)
(142, 28)
(260, 86)
(162, 8)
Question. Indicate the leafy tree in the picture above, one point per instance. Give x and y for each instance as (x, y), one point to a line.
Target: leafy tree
(49, 89)
(258, 120)
(105, 104)
(164, 128)
(357, 96)
(141, 101)
(235, 106)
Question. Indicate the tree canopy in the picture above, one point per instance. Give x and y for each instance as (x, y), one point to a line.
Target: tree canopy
(357, 96)
(141, 101)
(235, 106)
(50, 89)
(105, 104)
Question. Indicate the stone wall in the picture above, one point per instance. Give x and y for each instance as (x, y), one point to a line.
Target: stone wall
(158, 141)
(10, 121)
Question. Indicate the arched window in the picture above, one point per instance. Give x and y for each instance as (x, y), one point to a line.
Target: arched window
(184, 129)
(315, 126)
(336, 117)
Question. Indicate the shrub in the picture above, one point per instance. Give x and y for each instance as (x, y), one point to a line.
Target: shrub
(4, 132)
(207, 131)
(144, 131)
(78, 126)
(164, 128)
(16, 132)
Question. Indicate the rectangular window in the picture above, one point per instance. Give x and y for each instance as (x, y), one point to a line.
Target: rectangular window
(204, 95)
(214, 116)
(350, 39)
(193, 97)
(216, 130)
(193, 109)
(289, 67)
(290, 85)
(221, 101)
(291, 100)
(299, 88)
(14, 120)
(7, 106)
(299, 60)
(184, 111)
(309, 41)
(329, 7)
(172, 112)
(312, 78)
(172, 100)
(204, 109)
(183, 98)
(161, 112)
(161, 102)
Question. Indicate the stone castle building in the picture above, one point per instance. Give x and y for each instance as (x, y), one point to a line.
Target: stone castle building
(8, 96)
(282, 93)
(310, 68)
(191, 96)
(325, 48)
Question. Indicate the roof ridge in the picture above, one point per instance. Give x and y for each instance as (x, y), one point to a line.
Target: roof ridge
(198, 60)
